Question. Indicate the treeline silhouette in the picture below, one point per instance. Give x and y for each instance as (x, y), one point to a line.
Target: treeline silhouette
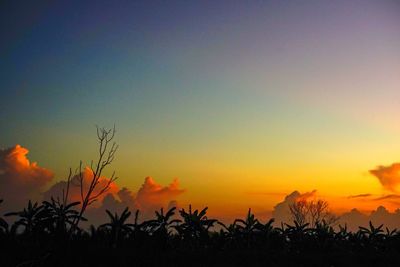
(45, 235)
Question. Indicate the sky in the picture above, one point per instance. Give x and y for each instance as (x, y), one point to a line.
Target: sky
(244, 102)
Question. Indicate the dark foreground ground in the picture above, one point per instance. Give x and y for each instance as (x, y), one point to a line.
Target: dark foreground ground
(215, 251)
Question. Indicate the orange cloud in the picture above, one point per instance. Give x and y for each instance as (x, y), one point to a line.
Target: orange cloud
(388, 176)
(75, 192)
(150, 197)
(20, 180)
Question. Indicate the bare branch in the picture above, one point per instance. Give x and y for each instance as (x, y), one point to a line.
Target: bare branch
(65, 196)
(106, 155)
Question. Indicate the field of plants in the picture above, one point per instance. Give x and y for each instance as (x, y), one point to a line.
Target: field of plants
(46, 234)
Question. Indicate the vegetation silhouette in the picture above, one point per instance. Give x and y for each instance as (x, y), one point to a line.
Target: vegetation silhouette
(39, 236)
(49, 234)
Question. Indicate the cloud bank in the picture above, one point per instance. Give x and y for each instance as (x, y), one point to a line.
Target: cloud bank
(354, 218)
(22, 180)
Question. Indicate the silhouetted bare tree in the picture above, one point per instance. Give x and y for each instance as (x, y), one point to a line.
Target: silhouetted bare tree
(312, 212)
(107, 149)
(299, 211)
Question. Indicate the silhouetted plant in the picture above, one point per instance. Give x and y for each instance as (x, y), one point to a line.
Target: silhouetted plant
(244, 242)
(246, 228)
(267, 229)
(31, 218)
(117, 226)
(3, 223)
(372, 232)
(229, 232)
(390, 233)
(195, 224)
(163, 222)
(248, 225)
(297, 232)
(60, 216)
(343, 233)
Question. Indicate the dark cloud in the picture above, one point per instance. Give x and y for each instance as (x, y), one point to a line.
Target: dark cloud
(354, 219)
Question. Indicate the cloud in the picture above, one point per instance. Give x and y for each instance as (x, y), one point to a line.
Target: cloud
(391, 196)
(150, 197)
(306, 196)
(75, 192)
(360, 196)
(281, 211)
(20, 179)
(371, 197)
(388, 176)
(381, 215)
(127, 197)
(353, 219)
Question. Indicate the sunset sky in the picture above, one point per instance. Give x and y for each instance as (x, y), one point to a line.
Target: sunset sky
(243, 101)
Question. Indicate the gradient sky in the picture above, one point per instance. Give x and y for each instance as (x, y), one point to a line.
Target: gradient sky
(244, 101)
